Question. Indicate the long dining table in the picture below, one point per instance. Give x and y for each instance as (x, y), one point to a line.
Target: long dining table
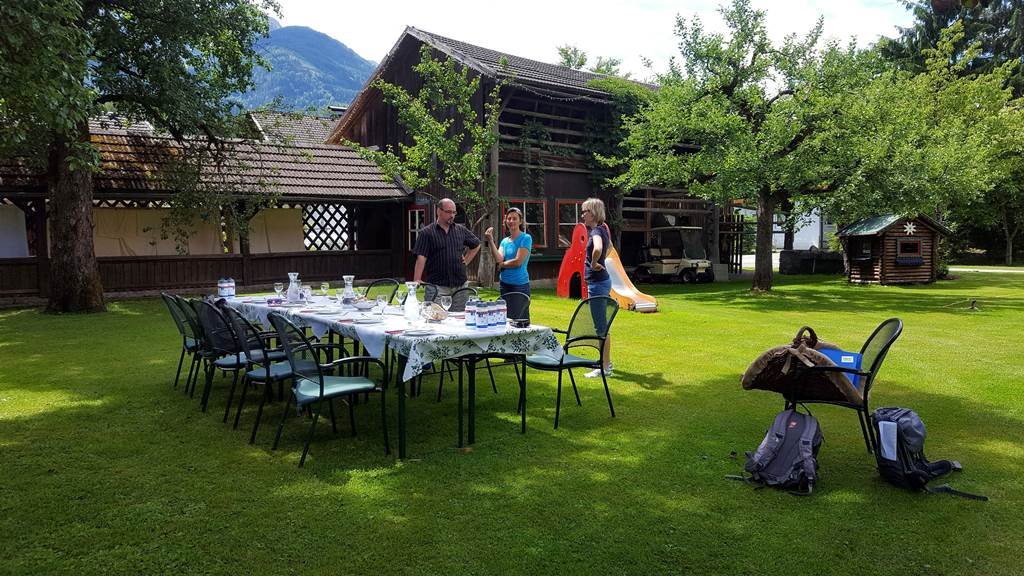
(417, 345)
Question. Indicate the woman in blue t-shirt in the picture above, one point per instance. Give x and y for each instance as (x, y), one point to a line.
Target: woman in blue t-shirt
(512, 256)
(599, 283)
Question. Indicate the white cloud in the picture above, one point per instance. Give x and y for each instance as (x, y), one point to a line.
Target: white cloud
(535, 28)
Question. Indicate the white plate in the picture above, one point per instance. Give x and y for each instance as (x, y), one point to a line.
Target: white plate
(419, 332)
(367, 320)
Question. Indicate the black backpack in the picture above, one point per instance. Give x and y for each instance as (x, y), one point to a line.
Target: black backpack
(900, 455)
(788, 456)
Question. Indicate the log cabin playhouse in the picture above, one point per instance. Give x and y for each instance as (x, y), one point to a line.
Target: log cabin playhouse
(892, 249)
(543, 163)
(336, 214)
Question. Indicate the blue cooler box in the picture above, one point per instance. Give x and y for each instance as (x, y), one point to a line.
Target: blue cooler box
(844, 359)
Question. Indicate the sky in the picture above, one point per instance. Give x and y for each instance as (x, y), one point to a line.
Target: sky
(628, 30)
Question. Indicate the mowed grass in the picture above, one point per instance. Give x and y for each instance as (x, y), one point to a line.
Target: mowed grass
(109, 470)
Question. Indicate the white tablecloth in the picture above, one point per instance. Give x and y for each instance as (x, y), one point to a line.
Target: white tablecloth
(448, 339)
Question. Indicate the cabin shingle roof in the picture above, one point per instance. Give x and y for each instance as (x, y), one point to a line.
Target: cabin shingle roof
(135, 166)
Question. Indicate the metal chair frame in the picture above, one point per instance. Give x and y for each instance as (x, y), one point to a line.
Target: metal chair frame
(889, 331)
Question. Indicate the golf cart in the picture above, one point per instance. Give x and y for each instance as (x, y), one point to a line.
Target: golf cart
(675, 253)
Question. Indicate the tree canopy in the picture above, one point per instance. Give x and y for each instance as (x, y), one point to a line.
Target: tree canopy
(173, 63)
(737, 117)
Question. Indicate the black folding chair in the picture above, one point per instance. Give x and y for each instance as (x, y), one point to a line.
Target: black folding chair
(189, 342)
(588, 328)
(313, 385)
(873, 353)
(386, 287)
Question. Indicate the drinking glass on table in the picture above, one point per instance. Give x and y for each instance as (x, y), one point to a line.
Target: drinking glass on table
(324, 287)
(382, 303)
(445, 302)
(279, 288)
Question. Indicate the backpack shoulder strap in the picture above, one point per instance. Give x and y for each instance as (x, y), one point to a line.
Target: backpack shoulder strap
(807, 449)
(947, 489)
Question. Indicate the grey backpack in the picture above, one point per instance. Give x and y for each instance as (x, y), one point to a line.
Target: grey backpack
(900, 455)
(788, 456)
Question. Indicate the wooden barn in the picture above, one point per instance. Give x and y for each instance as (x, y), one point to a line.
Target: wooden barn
(892, 249)
(543, 164)
(336, 214)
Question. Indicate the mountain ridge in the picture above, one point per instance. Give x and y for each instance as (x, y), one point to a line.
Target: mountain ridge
(309, 70)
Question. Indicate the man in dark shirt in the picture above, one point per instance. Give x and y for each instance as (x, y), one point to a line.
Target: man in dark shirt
(442, 251)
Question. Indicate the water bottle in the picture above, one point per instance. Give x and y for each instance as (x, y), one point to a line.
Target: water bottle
(483, 316)
(471, 313)
(502, 312)
(492, 315)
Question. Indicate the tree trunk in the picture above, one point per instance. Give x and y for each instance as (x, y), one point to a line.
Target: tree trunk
(763, 246)
(74, 275)
(1009, 249)
(485, 260)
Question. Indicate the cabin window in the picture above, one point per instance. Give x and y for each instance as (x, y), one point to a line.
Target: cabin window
(908, 252)
(908, 248)
(568, 217)
(415, 218)
(536, 221)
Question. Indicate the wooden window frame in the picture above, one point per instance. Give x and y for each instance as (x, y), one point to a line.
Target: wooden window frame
(901, 242)
(411, 234)
(521, 203)
(558, 217)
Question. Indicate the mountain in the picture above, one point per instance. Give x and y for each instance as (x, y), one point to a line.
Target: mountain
(309, 69)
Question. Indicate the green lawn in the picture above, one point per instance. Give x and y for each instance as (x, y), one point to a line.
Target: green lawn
(108, 470)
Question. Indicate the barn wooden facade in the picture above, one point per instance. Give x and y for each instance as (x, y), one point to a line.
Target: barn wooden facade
(550, 116)
(336, 214)
(892, 249)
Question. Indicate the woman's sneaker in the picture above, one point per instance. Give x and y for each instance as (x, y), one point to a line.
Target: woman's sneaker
(596, 372)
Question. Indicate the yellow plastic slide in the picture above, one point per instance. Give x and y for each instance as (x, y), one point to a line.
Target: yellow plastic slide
(623, 290)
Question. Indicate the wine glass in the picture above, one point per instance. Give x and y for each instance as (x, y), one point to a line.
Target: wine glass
(279, 288)
(382, 303)
(401, 295)
(324, 287)
(445, 302)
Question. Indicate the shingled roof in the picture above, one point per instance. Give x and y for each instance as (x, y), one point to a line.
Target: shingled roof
(293, 128)
(134, 166)
(501, 65)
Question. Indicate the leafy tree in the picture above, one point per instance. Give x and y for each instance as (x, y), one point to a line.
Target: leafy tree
(174, 63)
(931, 142)
(448, 142)
(572, 57)
(756, 114)
(996, 26)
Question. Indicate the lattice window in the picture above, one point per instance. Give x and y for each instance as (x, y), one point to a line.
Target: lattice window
(328, 227)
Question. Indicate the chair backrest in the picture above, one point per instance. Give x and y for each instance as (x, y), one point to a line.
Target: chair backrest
(247, 335)
(386, 287)
(191, 325)
(591, 322)
(517, 305)
(429, 292)
(875, 349)
(296, 347)
(218, 335)
(176, 314)
(460, 297)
